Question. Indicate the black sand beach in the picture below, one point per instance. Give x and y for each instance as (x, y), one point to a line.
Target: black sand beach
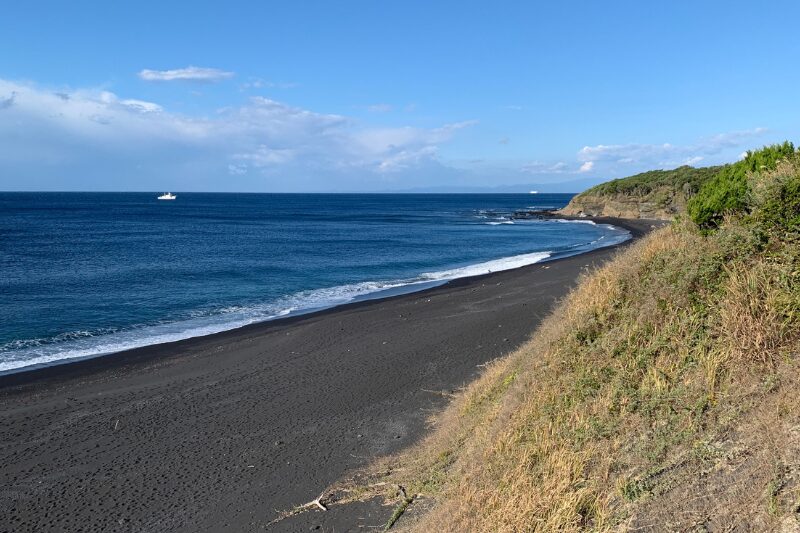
(220, 432)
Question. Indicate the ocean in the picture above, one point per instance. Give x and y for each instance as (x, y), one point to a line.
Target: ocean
(85, 274)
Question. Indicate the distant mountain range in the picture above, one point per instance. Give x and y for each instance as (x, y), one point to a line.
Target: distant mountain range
(573, 186)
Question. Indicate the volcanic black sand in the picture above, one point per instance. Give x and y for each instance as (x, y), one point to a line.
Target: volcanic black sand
(219, 433)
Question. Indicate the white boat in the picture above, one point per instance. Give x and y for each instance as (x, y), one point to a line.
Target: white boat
(167, 196)
(533, 192)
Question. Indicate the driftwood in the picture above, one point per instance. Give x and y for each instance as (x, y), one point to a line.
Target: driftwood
(316, 502)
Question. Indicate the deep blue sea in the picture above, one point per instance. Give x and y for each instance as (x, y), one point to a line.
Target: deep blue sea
(83, 274)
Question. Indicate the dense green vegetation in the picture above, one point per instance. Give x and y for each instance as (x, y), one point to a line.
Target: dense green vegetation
(729, 189)
(686, 179)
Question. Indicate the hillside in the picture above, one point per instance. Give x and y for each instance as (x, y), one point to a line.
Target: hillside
(657, 194)
(660, 396)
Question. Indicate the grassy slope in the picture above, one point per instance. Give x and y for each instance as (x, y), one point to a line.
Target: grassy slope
(661, 395)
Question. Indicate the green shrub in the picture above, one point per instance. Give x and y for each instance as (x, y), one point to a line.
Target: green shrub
(685, 178)
(727, 192)
(780, 208)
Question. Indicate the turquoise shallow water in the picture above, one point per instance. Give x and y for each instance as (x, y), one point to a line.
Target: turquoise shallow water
(90, 273)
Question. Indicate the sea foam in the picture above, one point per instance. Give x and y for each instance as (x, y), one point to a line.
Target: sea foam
(572, 221)
(84, 344)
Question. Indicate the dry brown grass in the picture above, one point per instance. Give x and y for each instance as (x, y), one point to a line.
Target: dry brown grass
(621, 396)
(754, 314)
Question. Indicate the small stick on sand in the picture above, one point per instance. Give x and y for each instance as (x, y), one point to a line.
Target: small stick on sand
(439, 393)
(315, 502)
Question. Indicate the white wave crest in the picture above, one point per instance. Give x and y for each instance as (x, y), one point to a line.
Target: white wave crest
(83, 344)
(497, 265)
(569, 221)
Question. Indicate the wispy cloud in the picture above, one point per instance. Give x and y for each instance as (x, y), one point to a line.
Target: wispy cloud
(379, 108)
(666, 154)
(394, 149)
(264, 156)
(537, 167)
(91, 132)
(237, 170)
(198, 74)
(140, 106)
(258, 83)
(625, 159)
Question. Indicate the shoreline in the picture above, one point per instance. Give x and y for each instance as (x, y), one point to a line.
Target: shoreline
(39, 368)
(223, 432)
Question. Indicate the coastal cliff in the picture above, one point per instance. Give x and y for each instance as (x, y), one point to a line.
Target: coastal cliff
(658, 194)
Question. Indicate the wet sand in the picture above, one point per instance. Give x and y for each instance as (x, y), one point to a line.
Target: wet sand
(218, 433)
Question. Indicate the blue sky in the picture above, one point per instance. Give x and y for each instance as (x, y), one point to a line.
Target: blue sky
(369, 95)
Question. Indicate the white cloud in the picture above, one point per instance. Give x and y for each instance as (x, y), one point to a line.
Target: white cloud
(258, 83)
(379, 108)
(393, 149)
(237, 170)
(141, 106)
(622, 152)
(537, 167)
(265, 156)
(404, 159)
(667, 155)
(626, 159)
(734, 138)
(92, 116)
(448, 130)
(97, 133)
(186, 74)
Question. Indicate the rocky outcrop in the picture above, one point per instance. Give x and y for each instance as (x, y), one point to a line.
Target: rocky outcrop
(655, 194)
(626, 206)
